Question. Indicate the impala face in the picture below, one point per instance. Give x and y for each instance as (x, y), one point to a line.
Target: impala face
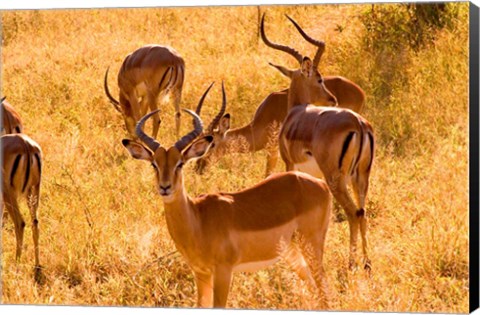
(309, 84)
(168, 163)
(219, 133)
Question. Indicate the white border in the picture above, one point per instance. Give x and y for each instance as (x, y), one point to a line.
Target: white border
(52, 4)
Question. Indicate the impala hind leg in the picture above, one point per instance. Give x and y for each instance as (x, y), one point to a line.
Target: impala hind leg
(338, 187)
(12, 207)
(33, 200)
(360, 188)
(204, 284)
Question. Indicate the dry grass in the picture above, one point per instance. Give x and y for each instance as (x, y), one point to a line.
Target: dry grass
(103, 235)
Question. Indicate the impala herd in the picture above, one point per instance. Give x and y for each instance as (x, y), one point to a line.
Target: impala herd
(315, 126)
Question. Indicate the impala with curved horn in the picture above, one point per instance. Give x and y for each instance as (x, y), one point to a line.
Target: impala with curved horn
(21, 176)
(12, 123)
(219, 233)
(145, 74)
(262, 131)
(333, 143)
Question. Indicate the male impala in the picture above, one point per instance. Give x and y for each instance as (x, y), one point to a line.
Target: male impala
(334, 143)
(244, 231)
(144, 75)
(12, 123)
(21, 175)
(262, 132)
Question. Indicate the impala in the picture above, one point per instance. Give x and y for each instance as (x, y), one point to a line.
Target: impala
(221, 233)
(262, 132)
(21, 175)
(333, 143)
(12, 123)
(145, 74)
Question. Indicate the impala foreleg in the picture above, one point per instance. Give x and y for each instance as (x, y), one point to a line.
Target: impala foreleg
(204, 284)
(152, 103)
(200, 165)
(128, 115)
(296, 261)
(272, 158)
(222, 280)
(312, 250)
(177, 97)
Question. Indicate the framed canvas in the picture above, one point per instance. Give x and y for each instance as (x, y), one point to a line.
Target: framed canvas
(371, 107)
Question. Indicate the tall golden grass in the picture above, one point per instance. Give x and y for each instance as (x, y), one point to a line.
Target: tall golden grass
(103, 235)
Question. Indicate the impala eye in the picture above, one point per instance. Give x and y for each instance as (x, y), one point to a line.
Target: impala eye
(320, 81)
(154, 166)
(180, 164)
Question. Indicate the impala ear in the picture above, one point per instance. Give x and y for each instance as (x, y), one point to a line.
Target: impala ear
(198, 148)
(137, 150)
(286, 72)
(307, 67)
(224, 124)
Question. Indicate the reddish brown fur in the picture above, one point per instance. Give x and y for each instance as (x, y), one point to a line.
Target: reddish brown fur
(219, 233)
(341, 143)
(12, 123)
(271, 113)
(21, 174)
(145, 73)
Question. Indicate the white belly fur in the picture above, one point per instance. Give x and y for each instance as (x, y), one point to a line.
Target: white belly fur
(255, 265)
(310, 166)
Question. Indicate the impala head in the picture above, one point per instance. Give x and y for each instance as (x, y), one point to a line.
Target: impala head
(217, 128)
(220, 124)
(168, 162)
(307, 86)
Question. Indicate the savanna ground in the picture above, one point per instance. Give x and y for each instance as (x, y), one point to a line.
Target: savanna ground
(103, 237)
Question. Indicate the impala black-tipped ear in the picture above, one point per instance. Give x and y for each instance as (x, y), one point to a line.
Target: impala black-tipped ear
(224, 123)
(137, 150)
(286, 72)
(198, 148)
(307, 67)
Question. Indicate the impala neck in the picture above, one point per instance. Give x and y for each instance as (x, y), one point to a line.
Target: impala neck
(180, 217)
(244, 132)
(296, 97)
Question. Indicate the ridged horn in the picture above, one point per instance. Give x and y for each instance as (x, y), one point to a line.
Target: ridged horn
(318, 43)
(283, 48)
(217, 118)
(200, 103)
(189, 137)
(114, 102)
(151, 143)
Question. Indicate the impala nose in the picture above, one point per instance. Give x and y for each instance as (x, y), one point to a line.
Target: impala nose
(165, 190)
